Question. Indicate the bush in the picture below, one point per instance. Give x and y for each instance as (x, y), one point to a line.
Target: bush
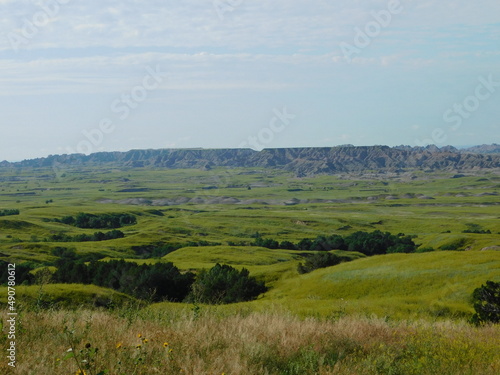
(457, 244)
(486, 300)
(377, 242)
(267, 243)
(225, 284)
(9, 212)
(319, 260)
(475, 228)
(324, 243)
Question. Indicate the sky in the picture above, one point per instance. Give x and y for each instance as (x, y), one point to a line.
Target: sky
(83, 76)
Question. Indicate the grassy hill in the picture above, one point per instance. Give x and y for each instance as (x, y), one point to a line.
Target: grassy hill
(430, 285)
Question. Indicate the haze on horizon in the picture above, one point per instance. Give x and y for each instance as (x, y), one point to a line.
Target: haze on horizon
(89, 76)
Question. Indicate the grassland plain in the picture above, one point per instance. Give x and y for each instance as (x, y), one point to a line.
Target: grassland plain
(386, 294)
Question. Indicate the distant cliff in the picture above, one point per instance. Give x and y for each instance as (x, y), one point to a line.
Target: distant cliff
(303, 161)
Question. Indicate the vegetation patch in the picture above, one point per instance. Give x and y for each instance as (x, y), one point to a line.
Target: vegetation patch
(7, 212)
(97, 236)
(101, 221)
(224, 284)
(156, 282)
(486, 301)
(374, 243)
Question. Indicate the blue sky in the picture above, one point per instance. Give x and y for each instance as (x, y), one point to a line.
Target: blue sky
(109, 75)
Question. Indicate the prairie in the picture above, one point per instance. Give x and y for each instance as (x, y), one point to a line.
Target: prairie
(146, 342)
(394, 313)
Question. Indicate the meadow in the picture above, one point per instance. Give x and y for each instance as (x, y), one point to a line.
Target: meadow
(384, 314)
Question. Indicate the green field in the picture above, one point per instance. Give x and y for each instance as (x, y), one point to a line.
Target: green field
(227, 208)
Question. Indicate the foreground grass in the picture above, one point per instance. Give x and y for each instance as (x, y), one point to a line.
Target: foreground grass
(192, 341)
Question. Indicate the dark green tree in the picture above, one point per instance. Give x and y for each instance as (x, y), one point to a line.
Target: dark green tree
(225, 284)
(319, 260)
(486, 300)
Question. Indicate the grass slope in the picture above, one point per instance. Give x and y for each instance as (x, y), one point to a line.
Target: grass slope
(398, 285)
(65, 295)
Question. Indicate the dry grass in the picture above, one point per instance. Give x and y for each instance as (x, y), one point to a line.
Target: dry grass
(252, 343)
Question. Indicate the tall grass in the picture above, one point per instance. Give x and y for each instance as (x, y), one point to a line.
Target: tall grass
(188, 341)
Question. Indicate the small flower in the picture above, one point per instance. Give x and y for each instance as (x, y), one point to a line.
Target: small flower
(139, 346)
(170, 350)
(165, 344)
(139, 335)
(119, 345)
(144, 340)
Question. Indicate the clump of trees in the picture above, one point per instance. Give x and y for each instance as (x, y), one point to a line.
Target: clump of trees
(486, 300)
(160, 281)
(70, 255)
(156, 282)
(97, 236)
(100, 221)
(475, 228)
(374, 243)
(225, 284)
(9, 212)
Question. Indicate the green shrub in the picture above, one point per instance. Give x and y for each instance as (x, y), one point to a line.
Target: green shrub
(9, 212)
(225, 284)
(319, 260)
(457, 244)
(486, 301)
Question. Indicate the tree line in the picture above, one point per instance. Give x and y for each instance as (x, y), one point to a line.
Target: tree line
(374, 243)
(163, 281)
(99, 221)
(97, 236)
(153, 282)
(9, 212)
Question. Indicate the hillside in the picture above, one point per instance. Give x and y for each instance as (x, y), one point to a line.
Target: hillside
(302, 161)
(427, 285)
